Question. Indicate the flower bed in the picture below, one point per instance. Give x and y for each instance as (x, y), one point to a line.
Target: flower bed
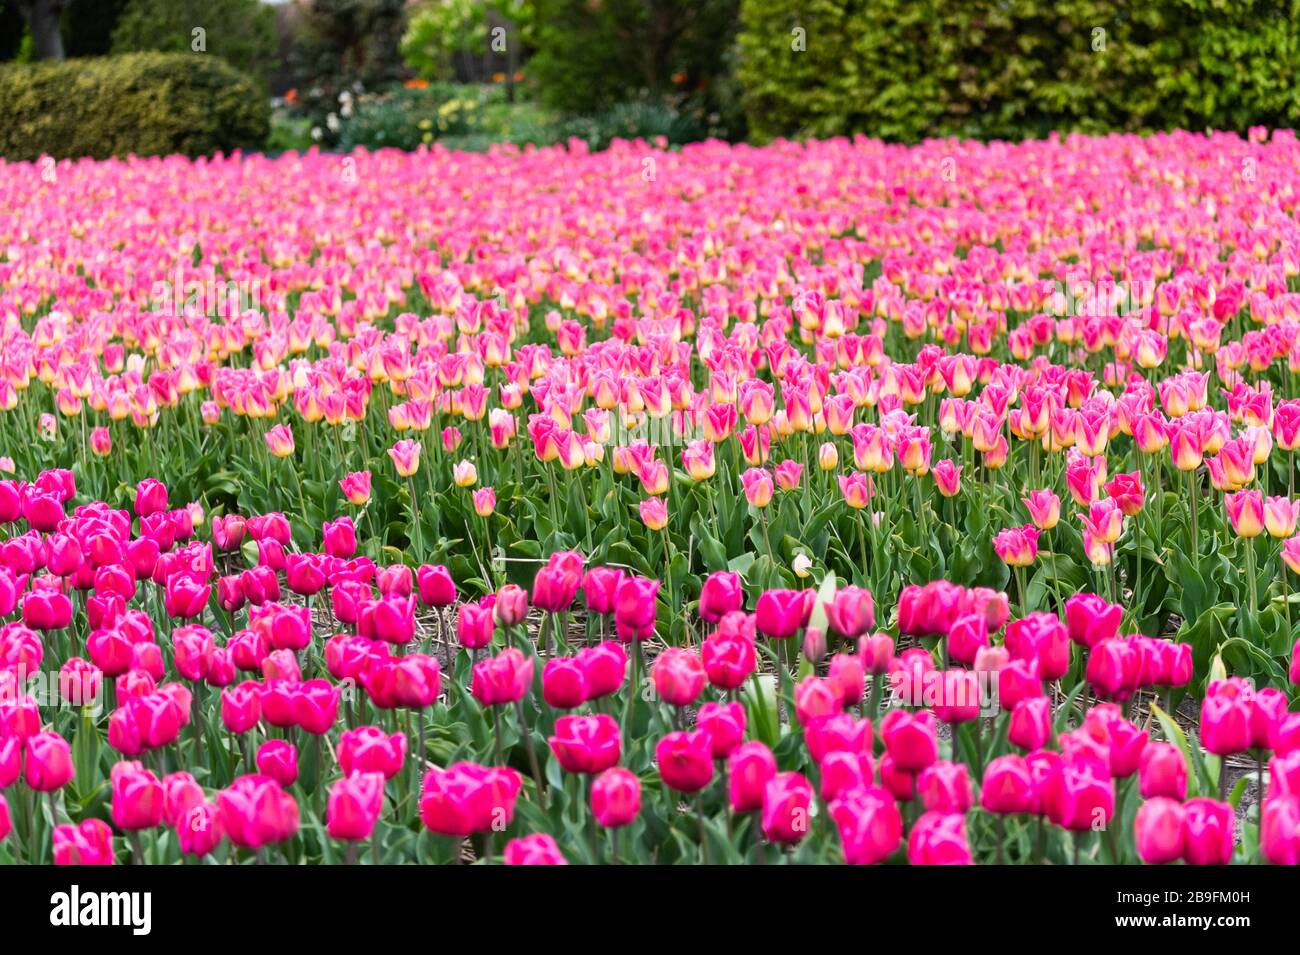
(835, 501)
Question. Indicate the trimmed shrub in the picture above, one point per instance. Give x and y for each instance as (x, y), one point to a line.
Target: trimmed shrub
(144, 103)
(911, 69)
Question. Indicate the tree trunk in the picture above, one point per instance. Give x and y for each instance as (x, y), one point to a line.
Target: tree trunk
(43, 20)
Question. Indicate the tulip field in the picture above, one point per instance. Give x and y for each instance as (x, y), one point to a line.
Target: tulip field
(826, 502)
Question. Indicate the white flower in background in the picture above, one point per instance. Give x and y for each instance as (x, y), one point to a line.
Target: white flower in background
(332, 121)
(802, 565)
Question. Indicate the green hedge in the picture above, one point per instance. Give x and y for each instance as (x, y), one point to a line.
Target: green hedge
(144, 103)
(910, 69)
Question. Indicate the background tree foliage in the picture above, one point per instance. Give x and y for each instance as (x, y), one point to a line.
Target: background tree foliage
(242, 32)
(908, 69)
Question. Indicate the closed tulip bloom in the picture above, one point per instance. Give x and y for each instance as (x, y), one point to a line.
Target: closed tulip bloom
(944, 787)
(412, 681)
(1091, 619)
(1078, 796)
(900, 783)
(839, 732)
(1245, 512)
(1043, 765)
(939, 839)
(356, 487)
(947, 477)
(185, 596)
(599, 586)
(396, 580)
(728, 661)
(604, 668)
(466, 798)
(1226, 715)
(869, 824)
(537, 849)
(241, 707)
(436, 587)
(857, 489)
(910, 739)
(1291, 557)
(47, 610)
(181, 793)
(685, 760)
(554, 588)
(679, 676)
(586, 744)
(79, 682)
(782, 613)
(228, 531)
(1279, 830)
(564, 684)
(1162, 771)
(749, 769)
(1174, 663)
(150, 497)
(279, 441)
(193, 647)
(877, 652)
(1280, 515)
(255, 812)
(279, 760)
(474, 626)
(1114, 669)
(90, 843)
(339, 537)
(284, 627)
(1017, 546)
(47, 765)
(1208, 827)
(721, 593)
(389, 618)
(1124, 742)
(368, 749)
(1284, 775)
(654, 513)
(1158, 830)
(847, 676)
(137, 797)
(1041, 637)
(1126, 491)
(758, 488)
(1030, 726)
(1007, 787)
(815, 698)
(634, 608)
(464, 474)
(851, 612)
(1044, 509)
(502, 679)
(406, 457)
(1268, 709)
(615, 797)
(354, 806)
(787, 801)
(725, 724)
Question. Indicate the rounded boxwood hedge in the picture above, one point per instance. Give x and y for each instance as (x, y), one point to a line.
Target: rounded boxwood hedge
(141, 103)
